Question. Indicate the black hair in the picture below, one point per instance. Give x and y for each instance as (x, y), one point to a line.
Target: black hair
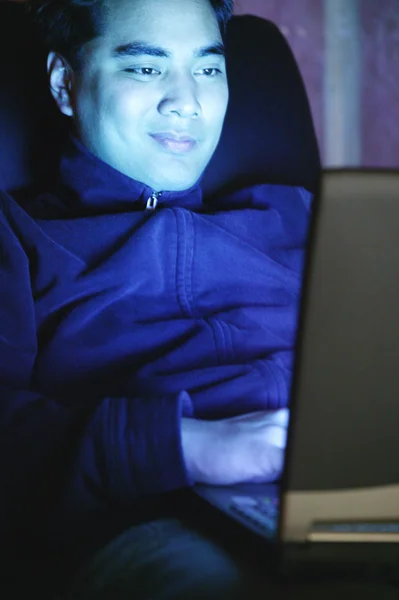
(64, 26)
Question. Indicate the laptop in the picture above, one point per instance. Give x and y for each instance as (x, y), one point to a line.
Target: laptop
(337, 503)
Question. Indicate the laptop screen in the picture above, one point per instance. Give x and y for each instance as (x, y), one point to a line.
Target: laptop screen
(343, 443)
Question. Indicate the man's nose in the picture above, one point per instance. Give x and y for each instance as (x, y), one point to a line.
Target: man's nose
(181, 98)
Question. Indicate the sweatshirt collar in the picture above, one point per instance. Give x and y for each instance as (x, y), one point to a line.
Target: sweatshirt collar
(99, 188)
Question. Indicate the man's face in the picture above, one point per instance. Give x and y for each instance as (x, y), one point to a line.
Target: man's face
(152, 94)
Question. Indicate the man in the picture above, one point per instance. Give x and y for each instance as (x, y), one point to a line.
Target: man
(146, 338)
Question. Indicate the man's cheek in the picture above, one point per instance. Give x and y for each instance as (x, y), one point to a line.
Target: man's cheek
(128, 97)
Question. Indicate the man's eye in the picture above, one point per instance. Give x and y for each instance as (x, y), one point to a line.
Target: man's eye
(210, 72)
(142, 71)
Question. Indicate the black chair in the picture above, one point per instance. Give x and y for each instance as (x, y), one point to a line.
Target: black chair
(268, 135)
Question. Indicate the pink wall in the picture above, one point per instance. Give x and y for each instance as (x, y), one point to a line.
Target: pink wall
(381, 82)
(301, 21)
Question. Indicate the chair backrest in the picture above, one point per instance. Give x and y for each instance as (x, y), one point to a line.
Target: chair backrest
(268, 135)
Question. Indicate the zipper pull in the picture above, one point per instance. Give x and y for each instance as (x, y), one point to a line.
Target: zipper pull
(152, 201)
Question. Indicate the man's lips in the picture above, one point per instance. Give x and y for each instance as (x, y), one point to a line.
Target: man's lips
(176, 143)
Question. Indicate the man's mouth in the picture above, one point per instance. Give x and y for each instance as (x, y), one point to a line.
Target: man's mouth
(175, 142)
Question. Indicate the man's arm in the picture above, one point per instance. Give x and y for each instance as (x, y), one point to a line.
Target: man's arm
(71, 462)
(84, 458)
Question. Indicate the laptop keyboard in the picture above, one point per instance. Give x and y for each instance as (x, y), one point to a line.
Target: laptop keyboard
(261, 511)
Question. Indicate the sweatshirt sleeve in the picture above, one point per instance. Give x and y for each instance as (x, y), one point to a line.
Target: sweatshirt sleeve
(74, 460)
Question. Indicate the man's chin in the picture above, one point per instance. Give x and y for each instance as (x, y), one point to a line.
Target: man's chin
(179, 188)
(176, 184)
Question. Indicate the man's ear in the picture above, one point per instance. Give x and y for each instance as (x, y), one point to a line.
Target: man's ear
(61, 82)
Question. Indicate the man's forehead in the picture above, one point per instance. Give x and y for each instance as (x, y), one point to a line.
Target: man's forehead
(181, 29)
(156, 8)
(134, 14)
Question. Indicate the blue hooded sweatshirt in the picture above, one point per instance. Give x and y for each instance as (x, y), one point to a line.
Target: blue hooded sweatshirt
(117, 320)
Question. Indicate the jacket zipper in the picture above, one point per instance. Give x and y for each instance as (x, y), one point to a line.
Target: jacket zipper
(152, 201)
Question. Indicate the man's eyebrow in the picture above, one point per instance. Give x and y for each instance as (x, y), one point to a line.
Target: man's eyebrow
(216, 49)
(134, 49)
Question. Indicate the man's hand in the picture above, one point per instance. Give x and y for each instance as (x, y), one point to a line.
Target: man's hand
(248, 448)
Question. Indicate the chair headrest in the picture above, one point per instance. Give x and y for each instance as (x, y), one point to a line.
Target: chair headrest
(268, 136)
